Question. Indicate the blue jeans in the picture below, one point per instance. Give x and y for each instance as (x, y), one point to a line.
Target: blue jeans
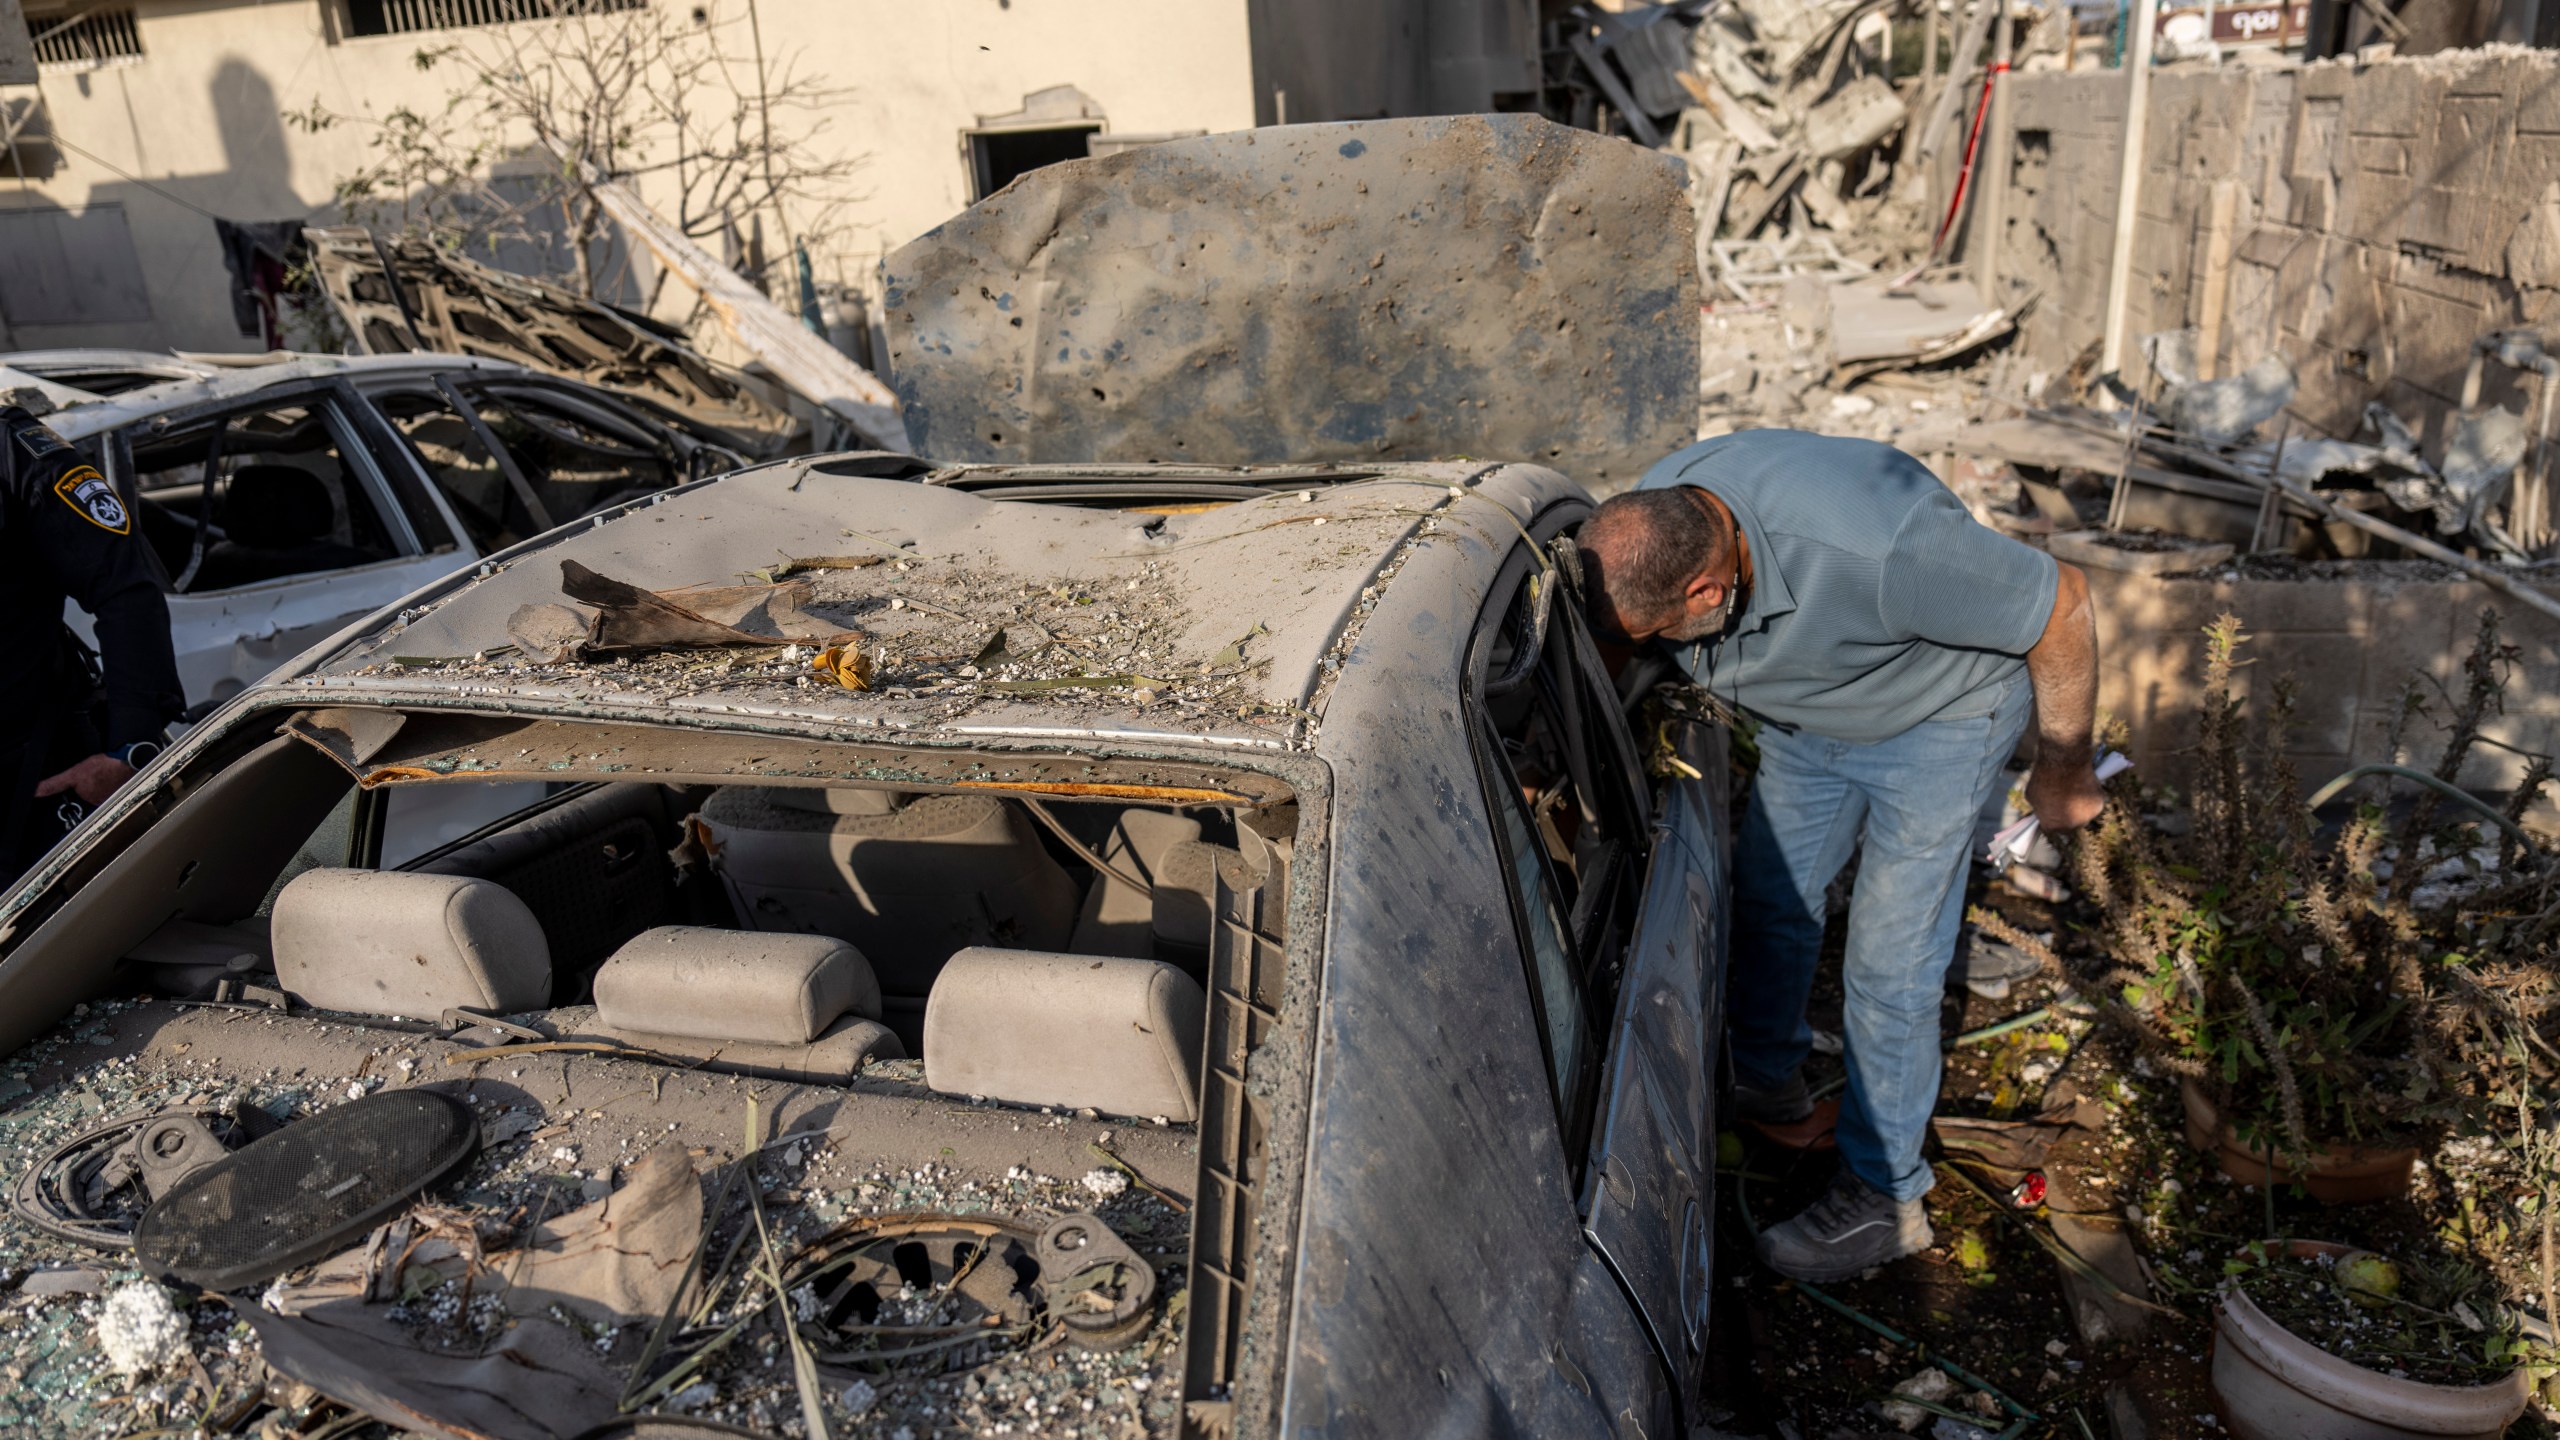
(1914, 797)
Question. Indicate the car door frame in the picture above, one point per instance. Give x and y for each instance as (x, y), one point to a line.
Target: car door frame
(1647, 1169)
(361, 455)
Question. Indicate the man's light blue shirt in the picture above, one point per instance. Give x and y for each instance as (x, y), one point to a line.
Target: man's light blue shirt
(1876, 601)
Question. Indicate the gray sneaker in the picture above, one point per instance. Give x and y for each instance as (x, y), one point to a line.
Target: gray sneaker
(1777, 1105)
(1852, 1229)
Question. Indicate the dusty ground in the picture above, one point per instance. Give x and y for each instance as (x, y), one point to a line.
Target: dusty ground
(1987, 1297)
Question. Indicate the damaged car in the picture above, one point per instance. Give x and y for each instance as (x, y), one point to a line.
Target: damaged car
(285, 497)
(1104, 946)
(1160, 922)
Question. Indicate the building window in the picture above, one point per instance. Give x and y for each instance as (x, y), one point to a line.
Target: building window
(997, 157)
(68, 40)
(64, 267)
(405, 17)
(1055, 124)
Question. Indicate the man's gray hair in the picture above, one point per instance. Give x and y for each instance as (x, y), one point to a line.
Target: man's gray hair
(1647, 545)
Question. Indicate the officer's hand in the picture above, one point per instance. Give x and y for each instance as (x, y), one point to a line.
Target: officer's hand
(93, 780)
(2064, 795)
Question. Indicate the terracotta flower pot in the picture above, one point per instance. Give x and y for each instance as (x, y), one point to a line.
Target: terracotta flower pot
(2271, 1384)
(2334, 1174)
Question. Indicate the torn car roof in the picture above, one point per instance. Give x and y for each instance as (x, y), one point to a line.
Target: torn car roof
(982, 617)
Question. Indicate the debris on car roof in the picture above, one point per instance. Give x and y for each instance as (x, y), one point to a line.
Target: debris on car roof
(1483, 285)
(991, 614)
(629, 620)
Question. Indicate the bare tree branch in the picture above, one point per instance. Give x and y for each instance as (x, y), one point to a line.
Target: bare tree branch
(642, 94)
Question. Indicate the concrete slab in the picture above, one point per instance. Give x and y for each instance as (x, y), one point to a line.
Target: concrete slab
(1869, 321)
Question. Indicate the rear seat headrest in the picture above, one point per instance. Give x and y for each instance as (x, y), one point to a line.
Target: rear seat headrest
(760, 986)
(1075, 1031)
(839, 800)
(382, 942)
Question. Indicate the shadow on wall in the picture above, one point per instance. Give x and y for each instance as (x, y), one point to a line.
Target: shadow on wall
(139, 264)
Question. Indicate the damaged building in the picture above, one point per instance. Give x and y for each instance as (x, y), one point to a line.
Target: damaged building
(155, 161)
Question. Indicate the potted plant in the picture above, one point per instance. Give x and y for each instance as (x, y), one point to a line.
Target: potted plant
(2309, 994)
(2316, 1339)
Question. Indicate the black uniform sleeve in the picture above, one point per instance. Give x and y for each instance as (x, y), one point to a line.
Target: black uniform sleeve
(86, 540)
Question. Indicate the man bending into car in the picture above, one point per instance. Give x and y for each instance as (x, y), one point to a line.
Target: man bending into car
(1889, 649)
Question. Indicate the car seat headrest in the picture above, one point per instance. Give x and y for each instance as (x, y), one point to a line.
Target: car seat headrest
(761, 986)
(379, 942)
(1077, 1031)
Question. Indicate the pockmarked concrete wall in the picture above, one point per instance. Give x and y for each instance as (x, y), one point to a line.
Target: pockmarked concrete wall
(2368, 221)
(196, 126)
(2352, 648)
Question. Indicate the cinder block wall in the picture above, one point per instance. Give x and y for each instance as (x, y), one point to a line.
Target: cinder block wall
(2367, 221)
(2351, 646)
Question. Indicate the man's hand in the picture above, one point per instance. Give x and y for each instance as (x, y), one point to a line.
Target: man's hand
(93, 780)
(2064, 795)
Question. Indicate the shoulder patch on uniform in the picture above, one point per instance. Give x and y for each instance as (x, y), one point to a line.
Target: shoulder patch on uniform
(88, 492)
(39, 441)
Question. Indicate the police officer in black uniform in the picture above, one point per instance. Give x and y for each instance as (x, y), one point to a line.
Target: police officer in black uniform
(65, 532)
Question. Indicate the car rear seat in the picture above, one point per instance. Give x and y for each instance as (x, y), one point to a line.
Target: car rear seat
(592, 868)
(907, 880)
(378, 942)
(1119, 919)
(1075, 1031)
(801, 1007)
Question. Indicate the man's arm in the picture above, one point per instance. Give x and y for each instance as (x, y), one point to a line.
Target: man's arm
(2063, 667)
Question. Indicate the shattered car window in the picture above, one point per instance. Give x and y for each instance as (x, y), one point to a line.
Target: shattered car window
(1554, 753)
(575, 460)
(449, 449)
(281, 501)
(1557, 991)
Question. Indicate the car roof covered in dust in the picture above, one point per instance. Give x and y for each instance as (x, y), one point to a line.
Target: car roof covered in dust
(1221, 625)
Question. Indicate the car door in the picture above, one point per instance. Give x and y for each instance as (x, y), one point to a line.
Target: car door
(1619, 921)
(1648, 1201)
(275, 522)
(1651, 1203)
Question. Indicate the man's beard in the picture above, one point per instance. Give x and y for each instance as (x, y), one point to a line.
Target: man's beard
(1702, 627)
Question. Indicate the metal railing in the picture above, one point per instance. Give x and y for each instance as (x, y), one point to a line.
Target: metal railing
(402, 17)
(90, 39)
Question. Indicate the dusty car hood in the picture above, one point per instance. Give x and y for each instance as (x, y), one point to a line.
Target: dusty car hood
(1489, 286)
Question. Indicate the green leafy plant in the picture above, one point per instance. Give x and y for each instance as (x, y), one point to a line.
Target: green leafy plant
(2316, 989)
